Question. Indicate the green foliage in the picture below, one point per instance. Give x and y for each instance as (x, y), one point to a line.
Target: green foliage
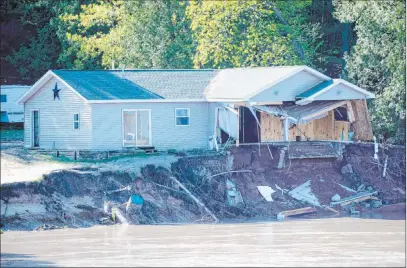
(361, 40)
(378, 61)
(253, 33)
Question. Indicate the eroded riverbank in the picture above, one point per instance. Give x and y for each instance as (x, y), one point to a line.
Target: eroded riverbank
(323, 242)
(76, 197)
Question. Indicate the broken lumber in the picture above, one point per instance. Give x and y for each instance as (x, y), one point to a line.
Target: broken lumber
(294, 212)
(330, 209)
(356, 198)
(195, 199)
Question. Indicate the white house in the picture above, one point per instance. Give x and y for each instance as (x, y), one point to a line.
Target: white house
(182, 109)
(11, 112)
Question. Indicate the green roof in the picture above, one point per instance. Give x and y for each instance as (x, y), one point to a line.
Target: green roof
(138, 84)
(104, 85)
(308, 93)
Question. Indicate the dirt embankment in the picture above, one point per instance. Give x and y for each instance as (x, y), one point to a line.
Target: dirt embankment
(76, 197)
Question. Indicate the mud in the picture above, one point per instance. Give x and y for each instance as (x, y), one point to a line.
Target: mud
(75, 197)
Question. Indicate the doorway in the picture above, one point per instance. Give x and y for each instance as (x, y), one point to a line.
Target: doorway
(136, 128)
(35, 128)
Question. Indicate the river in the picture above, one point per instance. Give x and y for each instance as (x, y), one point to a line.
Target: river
(322, 242)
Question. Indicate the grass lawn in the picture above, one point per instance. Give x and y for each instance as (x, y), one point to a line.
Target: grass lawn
(11, 135)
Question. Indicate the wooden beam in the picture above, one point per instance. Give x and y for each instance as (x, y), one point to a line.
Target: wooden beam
(285, 127)
(351, 115)
(238, 127)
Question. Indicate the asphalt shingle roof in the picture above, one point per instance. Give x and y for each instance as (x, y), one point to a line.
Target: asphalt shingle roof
(173, 84)
(315, 89)
(104, 85)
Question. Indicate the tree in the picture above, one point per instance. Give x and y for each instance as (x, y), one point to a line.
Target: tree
(253, 33)
(142, 34)
(41, 51)
(378, 61)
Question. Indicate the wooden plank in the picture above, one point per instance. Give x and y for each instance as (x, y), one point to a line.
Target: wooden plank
(271, 128)
(294, 212)
(351, 115)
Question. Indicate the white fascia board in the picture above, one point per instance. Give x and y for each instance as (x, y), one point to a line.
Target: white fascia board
(225, 100)
(336, 82)
(316, 73)
(368, 94)
(273, 84)
(300, 69)
(47, 76)
(35, 87)
(146, 101)
(69, 86)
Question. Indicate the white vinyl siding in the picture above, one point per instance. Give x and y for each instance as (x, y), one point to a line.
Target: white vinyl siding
(289, 88)
(56, 118)
(341, 92)
(108, 132)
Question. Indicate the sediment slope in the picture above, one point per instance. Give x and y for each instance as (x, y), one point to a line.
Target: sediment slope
(76, 197)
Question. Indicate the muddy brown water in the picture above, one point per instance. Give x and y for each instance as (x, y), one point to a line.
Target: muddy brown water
(322, 242)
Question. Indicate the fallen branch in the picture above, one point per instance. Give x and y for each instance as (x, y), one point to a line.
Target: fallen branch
(231, 171)
(195, 199)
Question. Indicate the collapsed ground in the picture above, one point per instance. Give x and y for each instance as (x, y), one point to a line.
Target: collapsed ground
(77, 196)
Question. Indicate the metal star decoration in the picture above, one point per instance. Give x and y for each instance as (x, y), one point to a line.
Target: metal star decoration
(56, 91)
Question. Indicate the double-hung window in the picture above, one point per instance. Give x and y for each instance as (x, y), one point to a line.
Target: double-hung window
(76, 121)
(182, 116)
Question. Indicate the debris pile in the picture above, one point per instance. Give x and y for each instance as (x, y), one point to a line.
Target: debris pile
(242, 185)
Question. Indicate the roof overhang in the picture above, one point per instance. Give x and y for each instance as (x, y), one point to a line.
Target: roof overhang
(145, 101)
(44, 79)
(307, 100)
(298, 114)
(300, 69)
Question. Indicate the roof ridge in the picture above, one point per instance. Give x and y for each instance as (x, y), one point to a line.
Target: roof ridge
(133, 70)
(174, 70)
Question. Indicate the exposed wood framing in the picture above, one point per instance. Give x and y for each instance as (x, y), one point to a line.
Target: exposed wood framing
(271, 128)
(351, 115)
(361, 126)
(325, 128)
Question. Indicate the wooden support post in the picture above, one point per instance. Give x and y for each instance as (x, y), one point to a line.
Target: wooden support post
(285, 127)
(238, 127)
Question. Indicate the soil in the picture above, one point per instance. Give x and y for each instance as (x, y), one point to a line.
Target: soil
(75, 197)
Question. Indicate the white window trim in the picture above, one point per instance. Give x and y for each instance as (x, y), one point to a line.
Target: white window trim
(79, 121)
(189, 117)
(32, 126)
(150, 133)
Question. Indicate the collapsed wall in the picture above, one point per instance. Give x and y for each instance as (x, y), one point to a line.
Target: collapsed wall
(78, 197)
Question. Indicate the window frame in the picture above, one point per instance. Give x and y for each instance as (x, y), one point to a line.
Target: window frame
(76, 121)
(189, 117)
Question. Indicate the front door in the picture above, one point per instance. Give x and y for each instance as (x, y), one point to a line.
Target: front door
(35, 128)
(136, 128)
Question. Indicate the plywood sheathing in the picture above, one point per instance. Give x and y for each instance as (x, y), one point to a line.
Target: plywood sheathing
(271, 128)
(325, 128)
(362, 126)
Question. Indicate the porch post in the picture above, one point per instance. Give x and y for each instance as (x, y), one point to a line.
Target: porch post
(285, 128)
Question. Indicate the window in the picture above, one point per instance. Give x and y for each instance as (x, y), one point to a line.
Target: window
(76, 121)
(341, 114)
(3, 98)
(182, 116)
